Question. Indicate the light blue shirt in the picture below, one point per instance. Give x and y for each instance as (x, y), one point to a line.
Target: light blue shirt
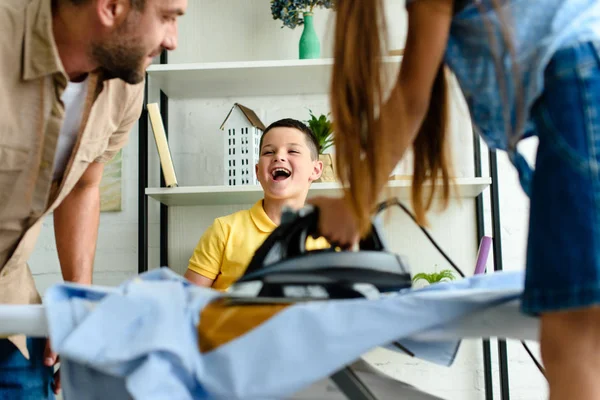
(538, 28)
(141, 338)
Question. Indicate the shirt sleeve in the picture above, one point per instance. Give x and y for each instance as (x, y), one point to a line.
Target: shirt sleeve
(208, 254)
(119, 138)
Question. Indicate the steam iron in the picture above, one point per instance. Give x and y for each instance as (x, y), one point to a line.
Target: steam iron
(282, 270)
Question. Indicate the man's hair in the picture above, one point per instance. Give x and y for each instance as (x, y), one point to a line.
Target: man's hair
(135, 4)
(311, 139)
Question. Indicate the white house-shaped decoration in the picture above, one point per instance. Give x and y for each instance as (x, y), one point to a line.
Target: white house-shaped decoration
(241, 140)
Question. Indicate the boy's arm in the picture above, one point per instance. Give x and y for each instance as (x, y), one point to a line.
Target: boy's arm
(205, 263)
(198, 279)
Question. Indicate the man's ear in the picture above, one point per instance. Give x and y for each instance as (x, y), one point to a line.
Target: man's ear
(317, 170)
(112, 13)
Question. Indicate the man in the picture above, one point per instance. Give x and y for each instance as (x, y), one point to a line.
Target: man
(71, 88)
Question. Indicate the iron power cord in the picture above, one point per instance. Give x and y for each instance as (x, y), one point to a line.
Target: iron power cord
(396, 202)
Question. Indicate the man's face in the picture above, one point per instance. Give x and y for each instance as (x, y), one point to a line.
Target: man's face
(129, 48)
(285, 168)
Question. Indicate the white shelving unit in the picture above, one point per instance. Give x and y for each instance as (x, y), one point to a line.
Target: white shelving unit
(252, 78)
(193, 208)
(226, 195)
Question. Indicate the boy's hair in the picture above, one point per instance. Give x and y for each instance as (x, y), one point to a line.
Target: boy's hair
(311, 139)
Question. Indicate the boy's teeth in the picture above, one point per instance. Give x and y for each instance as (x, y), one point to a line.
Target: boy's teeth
(280, 172)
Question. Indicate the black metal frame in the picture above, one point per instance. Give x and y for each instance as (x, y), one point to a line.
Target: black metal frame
(351, 385)
(142, 185)
(164, 210)
(498, 266)
(480, 220)
(164, 220)
(143, 182)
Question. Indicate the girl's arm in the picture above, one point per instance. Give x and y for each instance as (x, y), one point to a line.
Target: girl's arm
(428, 28)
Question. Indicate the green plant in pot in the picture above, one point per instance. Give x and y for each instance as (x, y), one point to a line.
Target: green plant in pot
(322, 127)
(434, 277)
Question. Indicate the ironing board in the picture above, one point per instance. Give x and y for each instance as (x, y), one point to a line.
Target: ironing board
(477, 307)
(352, 377)
(359, 381)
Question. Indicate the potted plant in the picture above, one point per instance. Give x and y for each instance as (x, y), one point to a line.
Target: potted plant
(434, 277)
(322, 127)
(300, 12)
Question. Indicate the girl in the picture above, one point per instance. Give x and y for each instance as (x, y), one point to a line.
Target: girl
(526, 67)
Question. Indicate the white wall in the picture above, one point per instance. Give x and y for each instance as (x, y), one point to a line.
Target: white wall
(236, 30)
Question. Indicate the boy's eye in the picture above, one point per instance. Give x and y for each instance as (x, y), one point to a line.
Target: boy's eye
(267, 152)
(294, 151)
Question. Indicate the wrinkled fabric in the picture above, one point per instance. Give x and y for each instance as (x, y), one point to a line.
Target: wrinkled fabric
(143, 334)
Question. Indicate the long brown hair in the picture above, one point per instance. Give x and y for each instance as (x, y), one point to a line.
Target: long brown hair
(362, 142)
(432, 157)
(357, 91)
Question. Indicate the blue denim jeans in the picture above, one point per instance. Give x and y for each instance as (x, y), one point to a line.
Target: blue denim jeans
(563, 252)
(22, 379)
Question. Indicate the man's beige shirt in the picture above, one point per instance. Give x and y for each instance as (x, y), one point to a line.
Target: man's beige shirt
(32, 80)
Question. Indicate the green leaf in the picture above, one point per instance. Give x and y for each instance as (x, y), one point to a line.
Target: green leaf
(421, 276)
(434, 277)
(447, 274)
(322, 128)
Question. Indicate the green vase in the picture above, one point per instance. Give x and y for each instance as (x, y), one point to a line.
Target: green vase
(309, 41)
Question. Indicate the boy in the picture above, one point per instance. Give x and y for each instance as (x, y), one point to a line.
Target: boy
(287, 165)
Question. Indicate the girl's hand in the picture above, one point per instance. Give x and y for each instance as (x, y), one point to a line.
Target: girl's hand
(336, 221)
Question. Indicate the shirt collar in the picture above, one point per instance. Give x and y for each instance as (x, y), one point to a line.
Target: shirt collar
(40, 53)
(261, 219)
(41, 56)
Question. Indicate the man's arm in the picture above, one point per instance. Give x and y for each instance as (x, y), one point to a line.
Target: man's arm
(76, 223)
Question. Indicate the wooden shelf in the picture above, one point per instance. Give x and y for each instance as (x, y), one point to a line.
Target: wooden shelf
(225, 195)
(250, 78)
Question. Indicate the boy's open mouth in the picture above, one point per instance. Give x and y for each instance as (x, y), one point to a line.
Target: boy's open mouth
(280, 174)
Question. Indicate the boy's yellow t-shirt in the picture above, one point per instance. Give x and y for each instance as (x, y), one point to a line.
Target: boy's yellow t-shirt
(227, 246)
